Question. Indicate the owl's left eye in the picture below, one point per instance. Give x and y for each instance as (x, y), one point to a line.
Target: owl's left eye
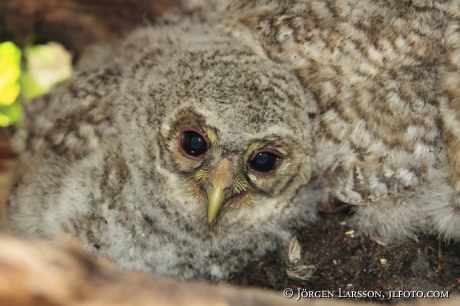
(193, 143)
(264, 162)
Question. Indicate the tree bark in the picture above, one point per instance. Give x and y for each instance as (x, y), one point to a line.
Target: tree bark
(75, 23)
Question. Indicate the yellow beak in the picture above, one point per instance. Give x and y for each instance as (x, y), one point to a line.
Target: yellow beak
(220, 178)
(215, 200)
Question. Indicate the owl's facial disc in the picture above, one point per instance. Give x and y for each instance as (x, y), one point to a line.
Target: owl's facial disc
(225, 180)
(218, 185)
(194, 144)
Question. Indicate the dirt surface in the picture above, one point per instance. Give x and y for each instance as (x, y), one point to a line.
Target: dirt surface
(354, 263)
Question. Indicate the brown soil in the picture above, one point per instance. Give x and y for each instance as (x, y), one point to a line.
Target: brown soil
(355, 263)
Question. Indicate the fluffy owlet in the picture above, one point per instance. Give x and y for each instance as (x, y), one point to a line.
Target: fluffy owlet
(193, 145)
(180, 151)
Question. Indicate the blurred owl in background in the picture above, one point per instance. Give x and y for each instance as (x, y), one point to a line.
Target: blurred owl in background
(201, 141)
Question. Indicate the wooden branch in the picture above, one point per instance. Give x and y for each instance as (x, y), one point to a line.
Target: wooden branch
(39, 274)
(36, 273)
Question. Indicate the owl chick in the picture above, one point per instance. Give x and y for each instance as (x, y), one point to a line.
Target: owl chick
(385, 79)
(192, 146)
(179, 151)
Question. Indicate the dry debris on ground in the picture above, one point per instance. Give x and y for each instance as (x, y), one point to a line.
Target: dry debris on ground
(348, 262)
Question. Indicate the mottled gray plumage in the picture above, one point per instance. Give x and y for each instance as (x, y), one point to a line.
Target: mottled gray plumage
(102, 160)
(357, 98)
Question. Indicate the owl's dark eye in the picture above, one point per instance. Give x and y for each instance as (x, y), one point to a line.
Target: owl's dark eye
(264, 162)
(193, 143)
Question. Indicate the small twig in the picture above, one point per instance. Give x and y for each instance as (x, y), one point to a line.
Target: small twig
(440, 266)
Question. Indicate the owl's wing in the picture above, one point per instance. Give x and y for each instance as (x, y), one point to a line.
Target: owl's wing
(66, 124)
(72, 120)
(57, 132)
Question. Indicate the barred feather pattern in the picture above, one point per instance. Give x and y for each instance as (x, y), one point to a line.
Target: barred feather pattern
(384, 76)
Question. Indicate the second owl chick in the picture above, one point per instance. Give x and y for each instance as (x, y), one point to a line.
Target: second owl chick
(384, 76)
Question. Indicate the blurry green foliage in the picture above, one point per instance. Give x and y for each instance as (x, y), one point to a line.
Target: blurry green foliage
(28, 74)
(10, 71)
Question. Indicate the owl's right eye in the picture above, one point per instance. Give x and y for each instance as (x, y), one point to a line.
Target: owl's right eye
(193, 144)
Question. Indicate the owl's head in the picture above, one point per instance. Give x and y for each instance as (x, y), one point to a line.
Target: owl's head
(230, 130)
